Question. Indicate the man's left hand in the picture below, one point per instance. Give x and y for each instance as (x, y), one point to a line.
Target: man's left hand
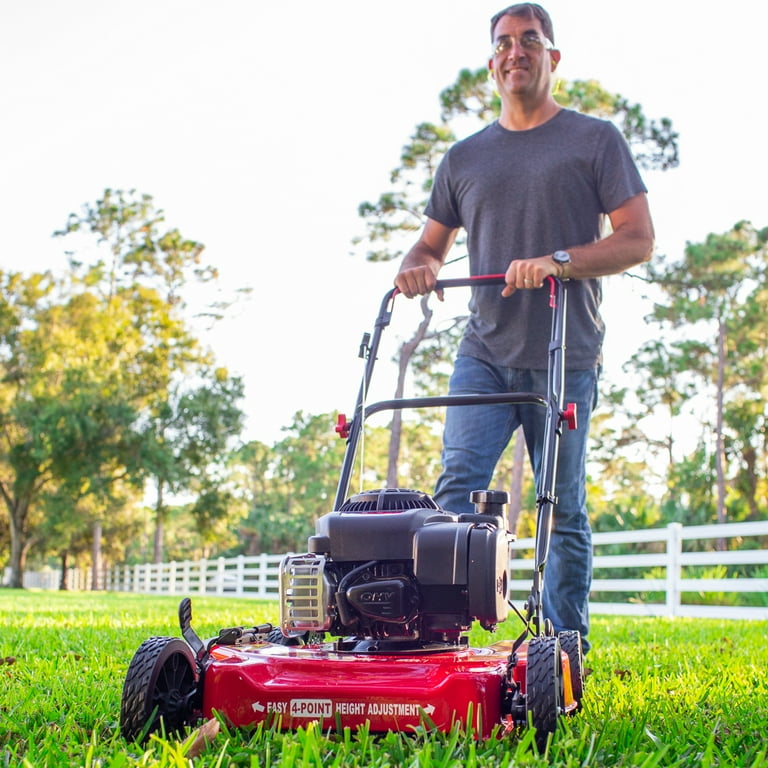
(528, 273)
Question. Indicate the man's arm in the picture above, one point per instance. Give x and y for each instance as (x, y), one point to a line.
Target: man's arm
(630, 243)
(418, 271)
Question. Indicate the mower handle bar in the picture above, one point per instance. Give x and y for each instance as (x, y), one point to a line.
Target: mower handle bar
(369, 350)
(466, 282)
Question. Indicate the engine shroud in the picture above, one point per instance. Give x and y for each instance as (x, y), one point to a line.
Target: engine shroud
(392, 565)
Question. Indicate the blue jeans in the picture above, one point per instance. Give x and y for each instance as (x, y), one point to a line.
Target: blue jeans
(473, 441)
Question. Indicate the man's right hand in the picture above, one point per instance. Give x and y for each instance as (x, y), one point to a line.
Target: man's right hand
(418, 272)
(417, 281)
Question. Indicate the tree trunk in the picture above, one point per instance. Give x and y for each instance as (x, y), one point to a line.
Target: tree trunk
(63, 586)
(157, 549)
(516, 484)
(749, 456)
(722, 513)
(404, 358)
(96, 557)
(17, 514)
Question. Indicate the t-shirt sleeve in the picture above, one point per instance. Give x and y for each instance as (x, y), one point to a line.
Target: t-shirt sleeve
(442, 205)
(618, 178)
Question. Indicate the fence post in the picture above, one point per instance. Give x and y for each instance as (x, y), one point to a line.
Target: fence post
(263, 565)
(220, 576)
(202, 586)
(240, 574)
(674, 550)
(172, 578)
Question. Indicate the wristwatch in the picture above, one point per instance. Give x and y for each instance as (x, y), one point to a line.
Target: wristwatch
(563, 260)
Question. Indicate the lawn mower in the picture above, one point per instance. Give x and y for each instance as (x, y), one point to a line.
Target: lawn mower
(374, 615)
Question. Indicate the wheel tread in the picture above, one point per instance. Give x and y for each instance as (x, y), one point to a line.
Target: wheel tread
(570, 642)
(145, 667)
(542, 683)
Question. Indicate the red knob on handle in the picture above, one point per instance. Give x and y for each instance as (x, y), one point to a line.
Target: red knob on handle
(569, 415)
(342, 426)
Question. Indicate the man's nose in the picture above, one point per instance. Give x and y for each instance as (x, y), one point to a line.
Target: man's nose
(516, 50)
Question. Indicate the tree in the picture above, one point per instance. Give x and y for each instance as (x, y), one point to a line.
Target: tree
(715, 295)
(65, 419)
(290, 484)
(308, 461)
(186, 443)
(89, 363)
(73, 527)
(26, 405)
(147, 269)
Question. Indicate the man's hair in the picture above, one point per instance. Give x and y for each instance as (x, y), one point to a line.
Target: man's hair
(528, 11)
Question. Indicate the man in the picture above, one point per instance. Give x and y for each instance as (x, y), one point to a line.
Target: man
(532, 191)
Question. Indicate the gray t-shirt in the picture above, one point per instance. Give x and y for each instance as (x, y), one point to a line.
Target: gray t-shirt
(522, 194)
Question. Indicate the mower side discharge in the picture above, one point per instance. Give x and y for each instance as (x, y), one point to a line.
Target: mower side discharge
(374, 615)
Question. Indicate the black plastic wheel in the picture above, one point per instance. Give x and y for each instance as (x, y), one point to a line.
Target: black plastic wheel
(159, 689)
(570, 642)
(543, 686)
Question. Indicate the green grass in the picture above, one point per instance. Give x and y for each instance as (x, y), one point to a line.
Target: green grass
(680, 692)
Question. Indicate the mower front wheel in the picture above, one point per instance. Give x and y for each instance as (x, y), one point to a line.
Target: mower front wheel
(543, 686)
(160, 689)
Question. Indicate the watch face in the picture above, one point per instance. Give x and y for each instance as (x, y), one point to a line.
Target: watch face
(562, 257)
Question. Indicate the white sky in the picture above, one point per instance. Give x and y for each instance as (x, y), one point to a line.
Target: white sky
(259, 127)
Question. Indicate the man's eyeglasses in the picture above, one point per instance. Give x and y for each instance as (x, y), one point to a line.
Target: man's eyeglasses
(529, 42)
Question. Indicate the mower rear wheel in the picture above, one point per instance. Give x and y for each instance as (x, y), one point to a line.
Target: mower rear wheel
(543, 686)
(160, 688)
(570, 642)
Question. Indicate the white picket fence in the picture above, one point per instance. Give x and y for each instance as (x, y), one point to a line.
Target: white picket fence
(242, 576)
(675, 588)
(257, 576)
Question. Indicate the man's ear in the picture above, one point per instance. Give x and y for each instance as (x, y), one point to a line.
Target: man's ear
(554, 56)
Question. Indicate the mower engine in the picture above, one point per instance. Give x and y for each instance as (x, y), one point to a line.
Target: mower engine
(392, 569)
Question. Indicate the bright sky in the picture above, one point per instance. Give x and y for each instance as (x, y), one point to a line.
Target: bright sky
(258, 127)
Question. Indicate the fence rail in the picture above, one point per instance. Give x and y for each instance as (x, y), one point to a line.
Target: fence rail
(660, 584)
(656, 565)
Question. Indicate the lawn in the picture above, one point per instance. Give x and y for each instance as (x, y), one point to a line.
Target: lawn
(681, 692)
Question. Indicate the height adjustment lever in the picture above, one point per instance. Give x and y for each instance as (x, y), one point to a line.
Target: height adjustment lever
(342, 426)
(569, 416)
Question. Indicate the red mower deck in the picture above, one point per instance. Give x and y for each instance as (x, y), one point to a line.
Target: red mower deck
(292, 686)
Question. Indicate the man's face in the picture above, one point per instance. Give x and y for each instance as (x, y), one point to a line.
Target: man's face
(523, 60)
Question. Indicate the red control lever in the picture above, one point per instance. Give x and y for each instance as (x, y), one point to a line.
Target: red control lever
(569, 416)
(342, 426)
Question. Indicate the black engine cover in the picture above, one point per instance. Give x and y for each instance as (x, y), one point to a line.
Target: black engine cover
(385, 599)
(396, 565)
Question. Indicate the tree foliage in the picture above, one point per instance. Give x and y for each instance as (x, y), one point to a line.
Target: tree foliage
(291, 484)
(712, 307)
(93, 364)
